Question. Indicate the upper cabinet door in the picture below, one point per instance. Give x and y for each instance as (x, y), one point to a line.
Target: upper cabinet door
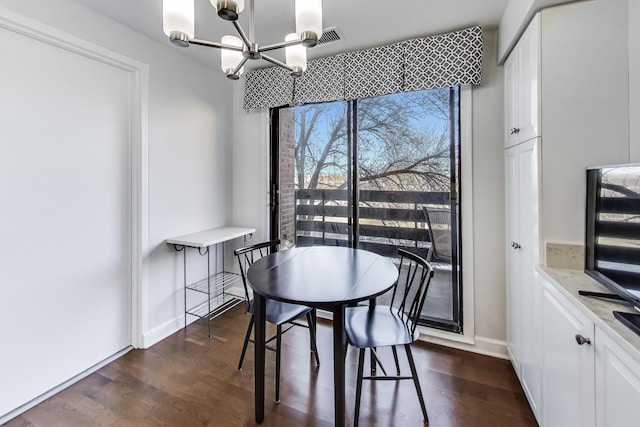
(511, 98)
(522, 87)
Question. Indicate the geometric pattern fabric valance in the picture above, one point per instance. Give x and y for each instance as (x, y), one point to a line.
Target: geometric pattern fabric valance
(444, 60)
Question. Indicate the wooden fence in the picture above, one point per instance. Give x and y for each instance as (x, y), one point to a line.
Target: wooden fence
(388, 220)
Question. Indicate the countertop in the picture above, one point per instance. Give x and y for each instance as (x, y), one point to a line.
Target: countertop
(600, 311)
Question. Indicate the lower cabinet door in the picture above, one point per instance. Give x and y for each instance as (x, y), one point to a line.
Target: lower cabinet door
(568, 359)
(617, 384)
(531, 363)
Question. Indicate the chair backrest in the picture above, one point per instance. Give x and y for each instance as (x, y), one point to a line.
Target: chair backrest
(440, 217)
(410, 291)
(248, 255)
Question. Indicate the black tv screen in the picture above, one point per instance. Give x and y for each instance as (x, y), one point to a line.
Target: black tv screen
(612, 235)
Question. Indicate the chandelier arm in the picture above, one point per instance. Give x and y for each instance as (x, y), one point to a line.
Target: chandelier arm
(276, 62)
(279, 45)
(240, 65)
(242, 34)
(214, 44)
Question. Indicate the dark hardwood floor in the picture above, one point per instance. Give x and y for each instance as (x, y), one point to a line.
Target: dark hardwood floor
(190, 380)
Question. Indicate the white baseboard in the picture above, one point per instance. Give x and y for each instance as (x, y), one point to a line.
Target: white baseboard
(480, 345)
(171, 326)
(161, 332)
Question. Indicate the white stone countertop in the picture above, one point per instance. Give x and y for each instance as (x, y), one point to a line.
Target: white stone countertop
(599, 310)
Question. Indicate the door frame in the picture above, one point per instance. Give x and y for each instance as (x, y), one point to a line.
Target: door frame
(139, 107)
(465, 252)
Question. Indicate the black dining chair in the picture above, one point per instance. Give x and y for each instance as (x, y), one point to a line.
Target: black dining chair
(373, 326)
(277, 313)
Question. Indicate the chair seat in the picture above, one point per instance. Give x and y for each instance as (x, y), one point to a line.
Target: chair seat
(278, 312)
(378, 327)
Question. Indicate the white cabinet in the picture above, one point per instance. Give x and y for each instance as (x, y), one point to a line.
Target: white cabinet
(590, 362)
(617, 384)
(566, 107)
(568, 360)
(523, 292)
(522, 87)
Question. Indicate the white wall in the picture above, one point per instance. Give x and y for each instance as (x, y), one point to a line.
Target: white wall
(488, 199)
(634, 80)
(515, 20)
(189, 134)
(584, 92)
(251, 177)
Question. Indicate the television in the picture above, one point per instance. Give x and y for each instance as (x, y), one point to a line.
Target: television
(612, 233)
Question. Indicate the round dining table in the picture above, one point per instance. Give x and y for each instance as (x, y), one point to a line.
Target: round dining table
(324, 277)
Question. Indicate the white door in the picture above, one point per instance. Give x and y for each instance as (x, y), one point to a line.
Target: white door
(617, 384)
(511, 87)
(514, 290)
(528, 113)
(65, 215)
(524, 328)
(568, 376)
(527, 248)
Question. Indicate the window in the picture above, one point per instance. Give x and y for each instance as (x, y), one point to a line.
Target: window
(378, 174)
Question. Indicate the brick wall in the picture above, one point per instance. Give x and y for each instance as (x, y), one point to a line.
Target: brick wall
(287, 176)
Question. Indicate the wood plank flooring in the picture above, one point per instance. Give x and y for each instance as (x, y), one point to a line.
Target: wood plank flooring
(190, 380)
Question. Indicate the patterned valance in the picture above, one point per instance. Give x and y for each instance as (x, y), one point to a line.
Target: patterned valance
(439, 61)
(373, 72)
(323, 81)
(268, 88)
(446, 60)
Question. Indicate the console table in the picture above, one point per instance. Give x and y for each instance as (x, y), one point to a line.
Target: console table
(213, 289)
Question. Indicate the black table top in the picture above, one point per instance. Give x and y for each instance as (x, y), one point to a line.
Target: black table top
(322, 276)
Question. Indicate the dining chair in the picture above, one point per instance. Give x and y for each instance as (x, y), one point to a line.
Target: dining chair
(277, 313)
(374, 326)
(440, 248)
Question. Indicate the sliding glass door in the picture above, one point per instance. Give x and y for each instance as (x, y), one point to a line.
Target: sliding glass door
(377, 174)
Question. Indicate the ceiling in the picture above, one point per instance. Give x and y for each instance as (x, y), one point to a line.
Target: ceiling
(362, 23)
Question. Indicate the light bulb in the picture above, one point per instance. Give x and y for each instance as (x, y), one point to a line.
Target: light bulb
(178, 16)
(228, 9)
(296, 55)
(309, 21)
(229, 59)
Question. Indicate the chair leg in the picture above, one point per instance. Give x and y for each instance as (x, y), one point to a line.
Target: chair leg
(414, 373)
(395, 358)
(311, 320)
(376, 360)
(278, 348)
(356, 414)
(246, 342)
(373, 362)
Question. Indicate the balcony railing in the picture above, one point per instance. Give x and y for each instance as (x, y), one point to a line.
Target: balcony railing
(388, 220)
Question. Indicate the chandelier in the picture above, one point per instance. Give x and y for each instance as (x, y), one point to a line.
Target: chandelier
(179, 25)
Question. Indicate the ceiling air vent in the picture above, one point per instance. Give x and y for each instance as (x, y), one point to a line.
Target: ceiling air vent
(330, 36)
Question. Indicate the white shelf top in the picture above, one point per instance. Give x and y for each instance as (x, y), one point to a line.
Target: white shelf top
(203, 239)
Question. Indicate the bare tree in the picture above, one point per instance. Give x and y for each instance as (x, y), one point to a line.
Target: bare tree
(403, 142)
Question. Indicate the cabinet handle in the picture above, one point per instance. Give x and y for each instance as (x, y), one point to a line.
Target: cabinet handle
(582, 340)
(515, 245)
(516, 130)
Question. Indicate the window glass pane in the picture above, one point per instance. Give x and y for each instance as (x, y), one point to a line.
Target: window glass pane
(406, 148)
(323, 213)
